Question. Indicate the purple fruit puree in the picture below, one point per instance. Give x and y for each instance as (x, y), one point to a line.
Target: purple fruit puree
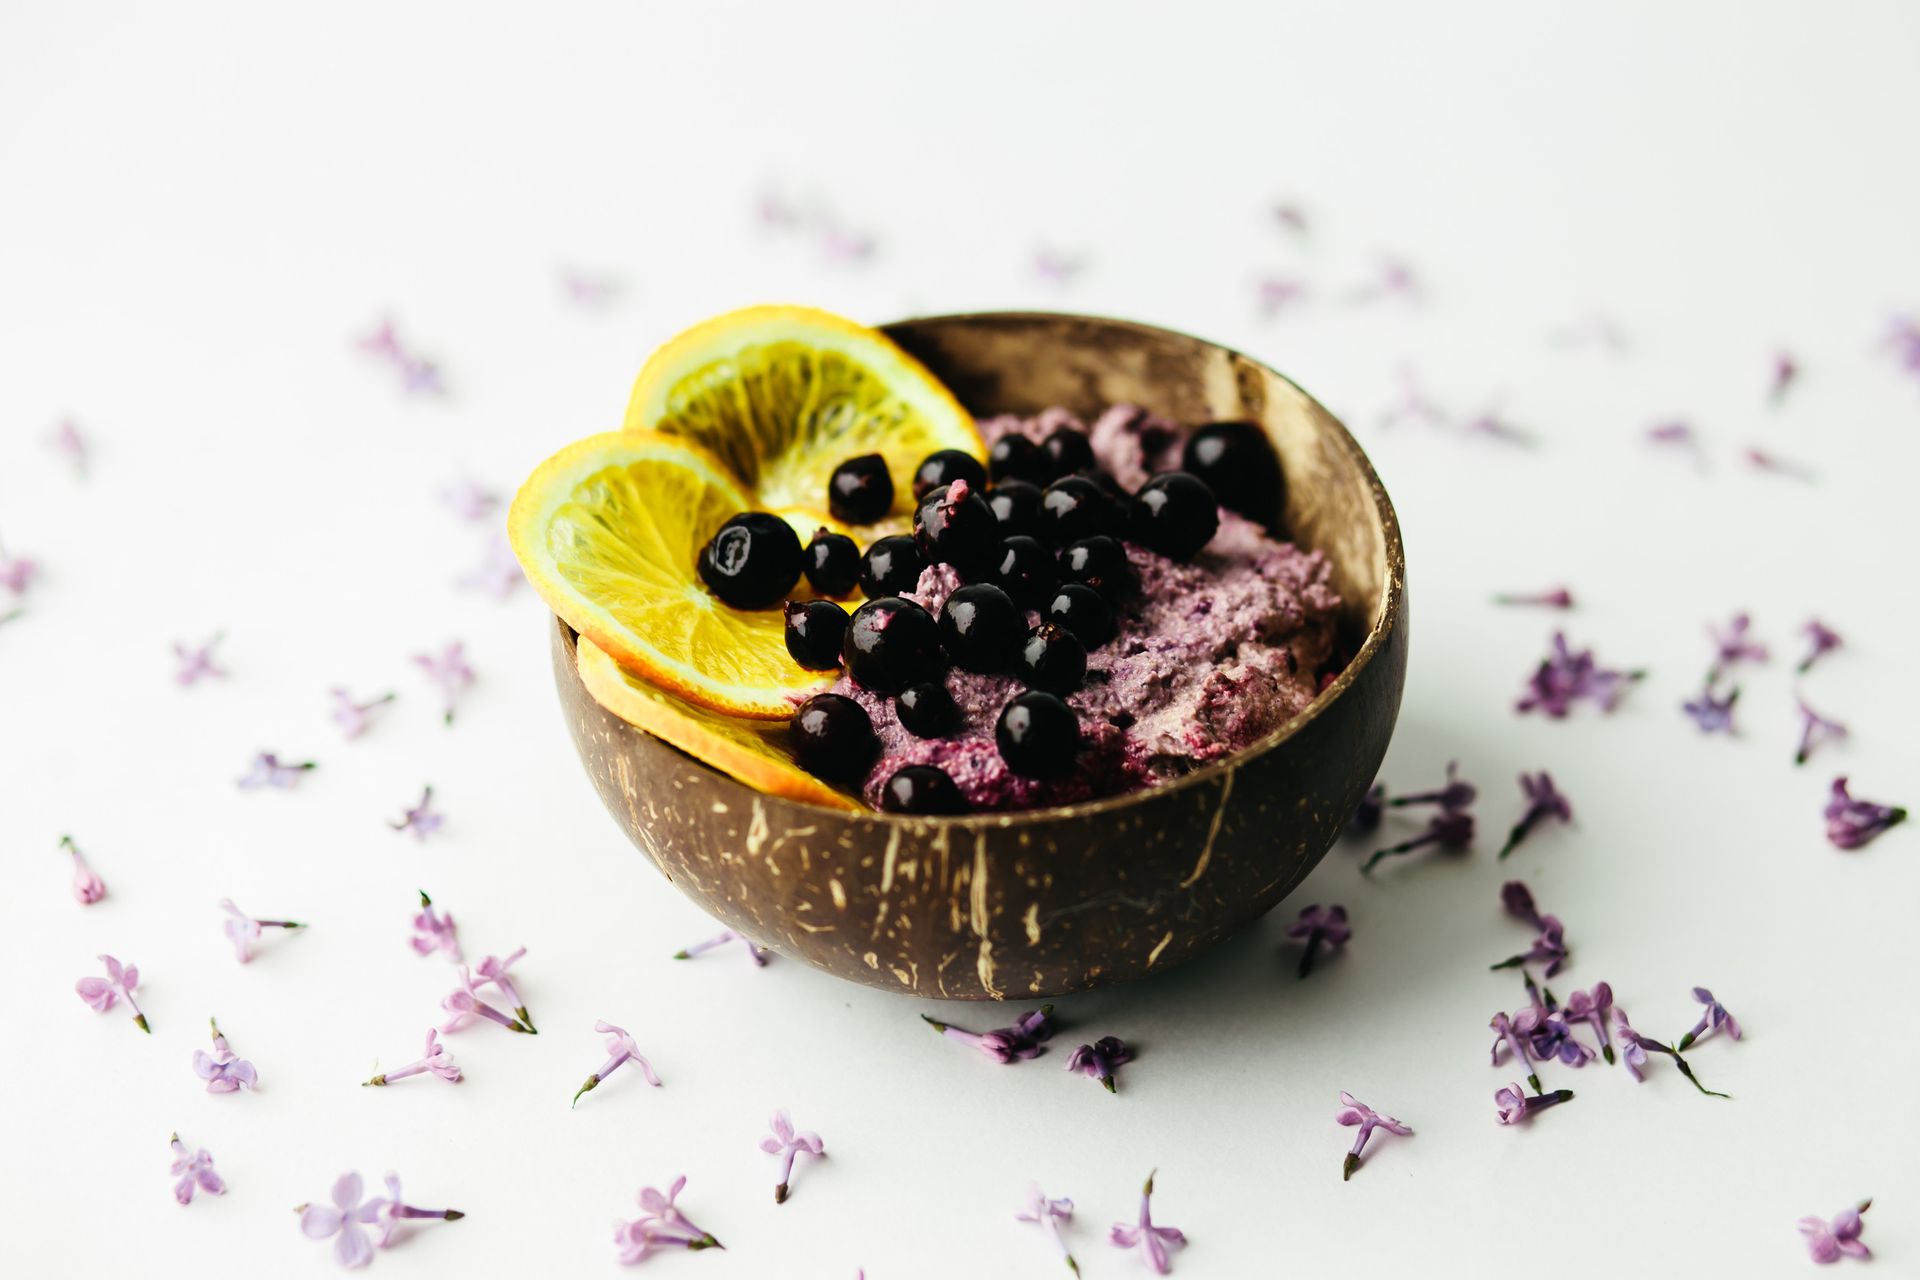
(1212, 655)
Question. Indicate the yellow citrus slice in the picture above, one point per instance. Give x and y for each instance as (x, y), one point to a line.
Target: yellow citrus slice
(753, 751)
(608, 531)
(783, 395)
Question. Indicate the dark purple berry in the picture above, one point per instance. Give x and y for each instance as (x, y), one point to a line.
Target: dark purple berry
(1237, 461)
(980, 628)
(1084, 612)
(1038, 735)
(921, 788)
(891, 643)
(815, 632)
(955, 526)
(753, 561)
(945, 467)
(1076, 507)
(860, 490)
(1069, 451)
(1052, 658)
(1014, 457)
(926, 710)
(1026, 570)
(892, 566)
(832, 563)
(832, 738)
(1175, 514)
(1100, 563)
(1016, 505)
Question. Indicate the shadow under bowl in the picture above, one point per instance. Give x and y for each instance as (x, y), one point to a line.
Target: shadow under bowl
(1050, 901)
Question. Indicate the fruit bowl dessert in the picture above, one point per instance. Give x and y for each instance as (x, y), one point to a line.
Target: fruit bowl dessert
(981, 656)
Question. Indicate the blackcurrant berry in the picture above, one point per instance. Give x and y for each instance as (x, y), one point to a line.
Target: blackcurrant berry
(892, 566)
(1016, 505)
(860, 491)
(1038, 735)
(1084, 612)
(1026, 570)
(1069, 451)
(753, 561)
(1076, 507)
(980, 628)
(1052, 658)
(922, 788)
(833, 563)
(816, 630)
(1099, 562)
(891, 643)
(955, 526)
(1237, 461)
(945, 467)
(926, 710)
(1175, 514)
(832, 738)
(1014, 457)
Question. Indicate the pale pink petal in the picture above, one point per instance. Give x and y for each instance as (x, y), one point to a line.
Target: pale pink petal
(770, 1145)
(346, 1192)
(320, 1221)
(113, 968)
(212, 1182)
(183, 1189)
(351, 1248)
(203, 1065)
(97, 992)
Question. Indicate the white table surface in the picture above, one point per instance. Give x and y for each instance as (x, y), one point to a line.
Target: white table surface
(205, 204)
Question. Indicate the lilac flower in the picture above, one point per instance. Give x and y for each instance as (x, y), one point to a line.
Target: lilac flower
(433, 931)
(660, 1225)
(1515, 1107)
(1317, 927)
(420, 819)
(341, 1221)
(590, 291)
(101, 994)
(392, 1211)
(1634, 1048)
(17, 573)
(1366, 816)
(1826, 1242)
(1815, 729)
(620, 1050)
(88, 888)
(448, 670)
(1101, 1060)
(70, 443)
(1674, 433)
(1711, 714)
(435, 1060)
(1761, 460)
(1494, 424)
(355, 718)
(1903, 339)
(1548, 1033)
(223, 1071)
(1823, 640)
(841, 244)
(1455, 795)
(788, 1144)
(194, 663)
(268, 770)
(1550, 947)
(1353, 1111)
(1555, 598)
(1393, 278)
(194, 1169)
(1050, 1214)
(1565, 677)
(494, 969)
(464, 1004)
(418, 375)
(1275, 293)
(756, 954)
(1543, 802)
(1450, 829)
(1852, 823)
(1711, 1021)
(1786, 370)
(1026, 1038)
(470, 500)
(1143, 1235)
(498, 574)
(1732, 645)
(244, 930)
(1507, 1036)
(1056, 267)
(1592, 1008)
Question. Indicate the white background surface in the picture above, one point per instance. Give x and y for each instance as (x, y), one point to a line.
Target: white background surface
(204, 205)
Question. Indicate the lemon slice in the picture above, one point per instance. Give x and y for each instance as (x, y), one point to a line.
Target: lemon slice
(753, 751)
(608, 531)
(783, 395)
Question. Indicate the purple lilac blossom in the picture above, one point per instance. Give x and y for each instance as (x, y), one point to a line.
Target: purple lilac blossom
(449, 671)
(194, 663)
(1830, 1241)
(1355, 1112)
(1274, 293)
(193, 1170)
(1554, 598)
(435, 1060)
(1318, 927)
(88, 888)
(1367, 814)
(434, 930)
(391, 1211)
(1026, 1038)
(493, 969)
(17, 573)
(418, 375)
(1714, 1019)
(71, 443)
(1550, 946)
(1733, 645)
(1592, 1007)
(1506, 1036)
(464, 1004)
(660, 1225)
(355, 718)
(1142, 1234)
(1565, 677)
(620, 1050)
(1785, 372)
(269, 770)
(1101, 1060)
(342, 1221)
(1815, 730)
(1548, 1033)
(1634, 1048)
(1050, 1214)
(420, 819)
(101, 994)
(1821, 640)
(243, 930)
(787, 1144)
(1852, 823)
(1453, 796)
(223, 1071)
(1448, 829)
(756, 954)
(1762, 460)
(1512, 1106)
(1711, 714)
(1544, 801)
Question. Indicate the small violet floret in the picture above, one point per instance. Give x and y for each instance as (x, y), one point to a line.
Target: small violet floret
(243, 930)
(621, 1050)
(1852, 823)
(223, 1071)
(1318, 927)
(193, 1170)
(1142, 1234)
(1026, 1038)
(1544, 801)
(1101, 1060)
(787, 1144)
(101, 994)
(1830, 1241)
(88, 888)
(1355, 1112)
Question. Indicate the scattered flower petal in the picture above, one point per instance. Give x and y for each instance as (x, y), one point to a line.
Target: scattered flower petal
(88, 888)
(1852, 823)
(1830, 1241)
(660, 1225)
(1026, 1038)
(342, 1220)
(420, 819)
(788, 1144)
(417, 374)
(1050, 1214)
(465, 1004)
(1822, 639)
(1550, 947)
(194, 663)
(392, 1211)
(243, 930)
(448, 670)
(1142, 1234)
(1785, 372)
(620, 1050)
(1565, 677)
(1554, 598)
(1275, 293)
(1761, 460)
(101, 994)
(1544, 801)
(1355, 1112)
(1366, 816)
(1677, 433)
(1815, 729)
(1592, 1008)
(756, 954)
(1056, 267)
(493, 969)
(72, 444)
(435, 1060)
(1393, 278)
(1634, 1048)
(1318, 927)
(1101, 1060)
(355, 718)
(1903, 340)
(193, 1171)
(1715, 1018)
(17, 573)
(1711, 714)
(268, 770)
(222, 1070)
(1733, 644)
(1515, 1107)
(434, 931)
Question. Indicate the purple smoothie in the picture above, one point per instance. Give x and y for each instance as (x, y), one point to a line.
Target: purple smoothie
(1212, 655)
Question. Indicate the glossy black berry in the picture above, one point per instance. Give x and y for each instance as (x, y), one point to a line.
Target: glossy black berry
(921, 788)
(1052, 658)
(816, 630)
(891, 643)
(1038, 735)
(832, 738)
(1084, 612)
(945, 467)
(832, 562)
(1237, 461)
(1076, 507)
(1025, 569)
(955, 526)
(1175, 514)
(1068, 451)
(980, 628)
(926, 710)
(1014, 457)
(753, 561)
(891, 566)
(1100, 563)
(1016, 506)
(860, 490)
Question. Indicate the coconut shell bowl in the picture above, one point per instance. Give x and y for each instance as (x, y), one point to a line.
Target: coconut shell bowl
(1050, 901)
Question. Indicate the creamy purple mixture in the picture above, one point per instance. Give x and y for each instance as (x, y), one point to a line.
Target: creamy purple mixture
(1211, 656)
